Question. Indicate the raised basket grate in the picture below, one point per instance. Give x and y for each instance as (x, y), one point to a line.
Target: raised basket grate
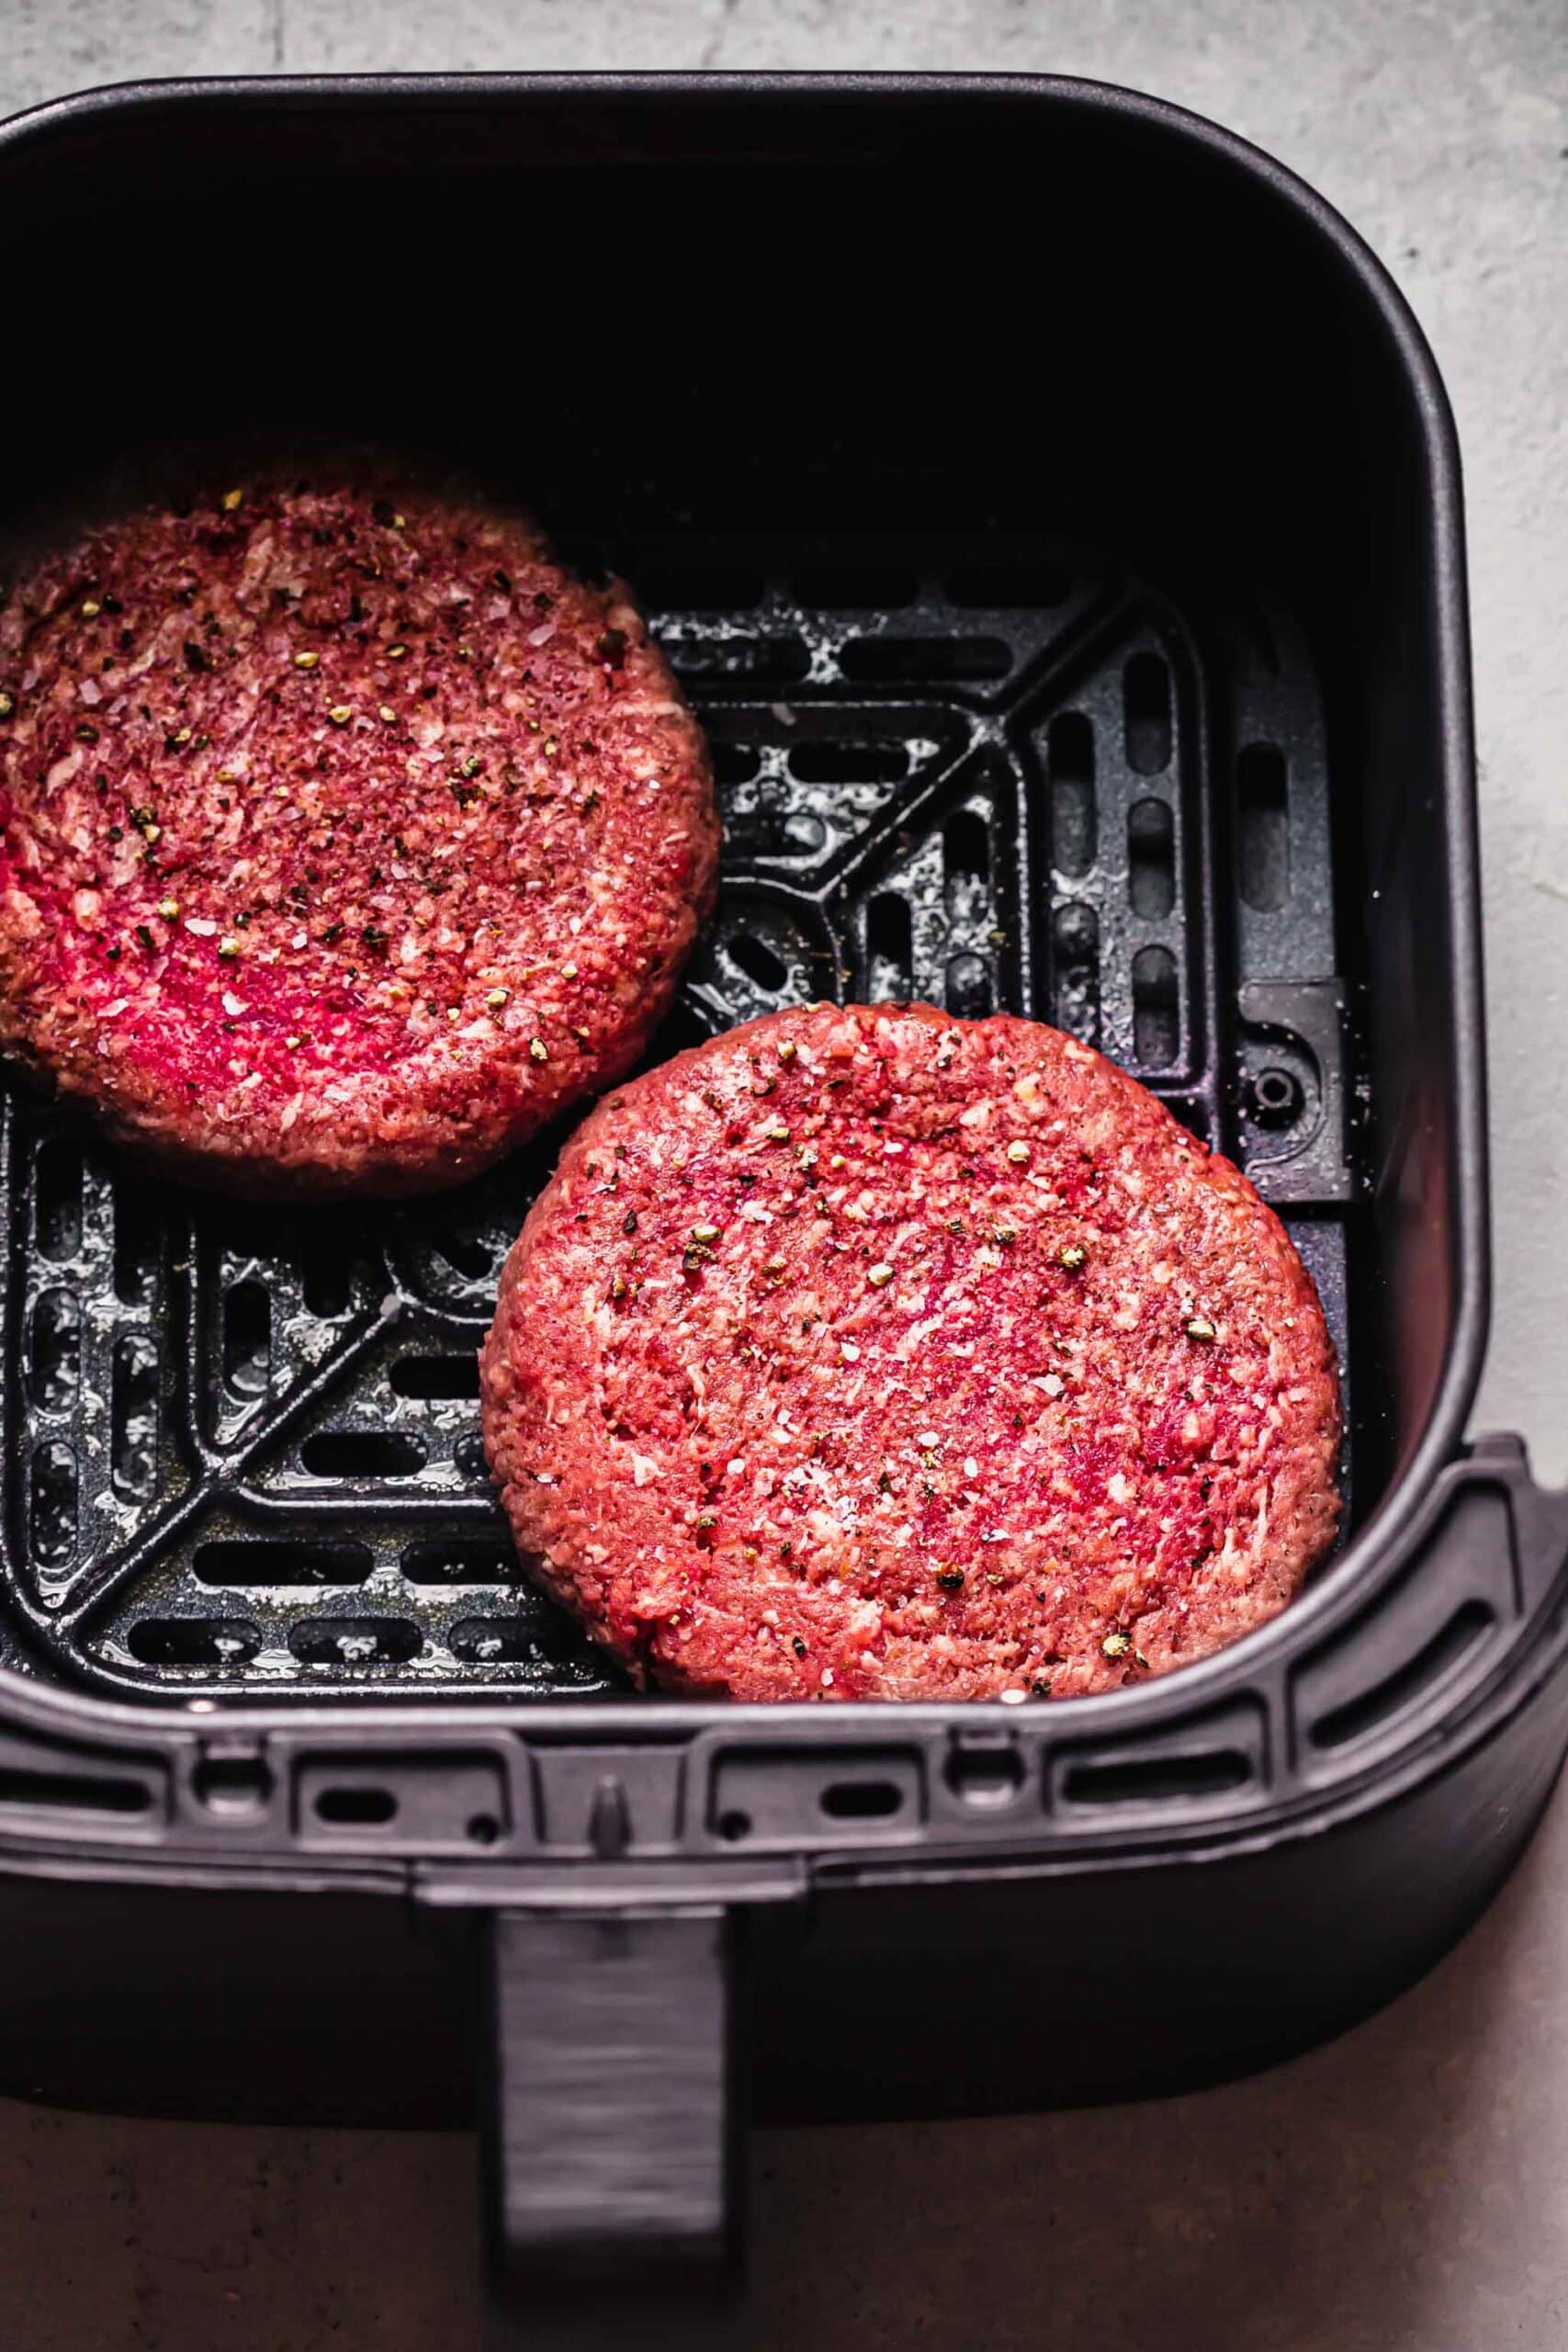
(243, 1450)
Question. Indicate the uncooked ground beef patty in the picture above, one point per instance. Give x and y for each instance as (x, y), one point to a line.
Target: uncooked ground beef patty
(876, 1354)
(342, 838)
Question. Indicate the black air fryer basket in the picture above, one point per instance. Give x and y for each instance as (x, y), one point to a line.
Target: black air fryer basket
(1054, 514)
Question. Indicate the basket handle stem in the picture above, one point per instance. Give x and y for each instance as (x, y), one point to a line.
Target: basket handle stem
(611, 2207)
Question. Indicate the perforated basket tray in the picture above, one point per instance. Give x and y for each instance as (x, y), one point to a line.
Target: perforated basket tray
(242, 1450)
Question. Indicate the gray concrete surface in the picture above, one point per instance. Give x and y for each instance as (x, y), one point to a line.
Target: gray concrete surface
(1406, 2190)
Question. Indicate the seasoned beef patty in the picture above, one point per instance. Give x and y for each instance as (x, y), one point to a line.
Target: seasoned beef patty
(871, 1354)
(343, 839)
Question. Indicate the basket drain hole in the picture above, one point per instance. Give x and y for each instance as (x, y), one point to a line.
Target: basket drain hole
(1151, 859)
(968, 986)
(52, 1505)
(735, 762)
(54, 1350)
(491, 1641)
(57, 1200)
(460, 1559)
(231, 1642)
(1145, 706)
(952, 660)
(367, 1808)
(325, 1277)
(860, 1800)
(830, 763)
(966, 866)
(1075, 934)
(889, 946)
(267, 1562)
(133, 1416)
(759, 962)
(137, 1240)
(779, 660)
(1069, 756)
(362, 1454)
(355, 1641)
(247, 1339)
(1157, 1019)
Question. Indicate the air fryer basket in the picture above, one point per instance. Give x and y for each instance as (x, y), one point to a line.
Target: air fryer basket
(1054, 514)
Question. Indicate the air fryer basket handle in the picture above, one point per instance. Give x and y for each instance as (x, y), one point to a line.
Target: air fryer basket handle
(609, 2142)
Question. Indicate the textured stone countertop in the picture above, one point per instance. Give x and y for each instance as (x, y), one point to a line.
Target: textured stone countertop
(1405, 2189)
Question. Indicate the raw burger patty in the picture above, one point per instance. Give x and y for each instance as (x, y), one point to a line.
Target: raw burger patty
(876, 1354)
(342, 842)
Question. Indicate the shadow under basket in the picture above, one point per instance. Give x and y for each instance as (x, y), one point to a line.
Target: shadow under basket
(1054, 514)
